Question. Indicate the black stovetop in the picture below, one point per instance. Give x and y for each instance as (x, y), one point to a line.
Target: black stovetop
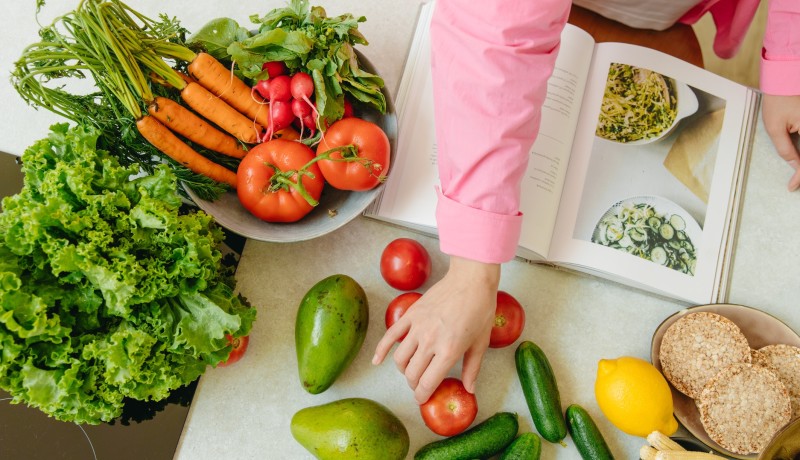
(144, 431)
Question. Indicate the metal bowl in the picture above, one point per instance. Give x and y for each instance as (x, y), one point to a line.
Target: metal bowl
(785, 445)
(335, 208)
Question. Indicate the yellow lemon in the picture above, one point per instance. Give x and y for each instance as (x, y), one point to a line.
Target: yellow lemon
(634, 396)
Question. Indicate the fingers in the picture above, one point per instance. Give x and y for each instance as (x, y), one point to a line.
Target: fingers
(434, 374)
(392, 336)
(786, 150)
(471, 367)
(416, 367)
(794, 182)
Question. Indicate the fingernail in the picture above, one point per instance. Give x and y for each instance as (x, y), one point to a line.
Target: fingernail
(375, 359)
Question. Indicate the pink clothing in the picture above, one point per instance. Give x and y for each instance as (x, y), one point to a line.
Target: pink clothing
(780, 63)
(490, 62)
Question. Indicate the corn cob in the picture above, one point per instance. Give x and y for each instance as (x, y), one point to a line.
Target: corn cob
(647, 453)
(660, 441)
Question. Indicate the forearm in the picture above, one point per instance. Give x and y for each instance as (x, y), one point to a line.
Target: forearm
(490, 63)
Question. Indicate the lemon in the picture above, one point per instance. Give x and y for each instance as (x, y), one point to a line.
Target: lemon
(634, 396)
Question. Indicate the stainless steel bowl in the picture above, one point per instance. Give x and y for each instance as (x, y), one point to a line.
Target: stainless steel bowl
(785, 445)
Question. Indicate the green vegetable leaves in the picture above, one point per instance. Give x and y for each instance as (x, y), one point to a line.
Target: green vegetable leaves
(306, 39)
(108, 290)
(217, 35)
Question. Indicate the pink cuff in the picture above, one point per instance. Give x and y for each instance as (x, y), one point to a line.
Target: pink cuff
(475, 234)
(780, 77)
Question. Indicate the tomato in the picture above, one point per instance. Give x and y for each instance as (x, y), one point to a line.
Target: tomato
(239, 347)
(451, 409)
(509, 320)
(364, 147)
(398, 307)
(405, 264)
(267, 182)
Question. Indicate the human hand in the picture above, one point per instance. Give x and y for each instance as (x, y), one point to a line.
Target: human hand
(452, 319)
(781, 116)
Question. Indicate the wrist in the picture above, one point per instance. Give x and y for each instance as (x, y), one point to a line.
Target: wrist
(475, 271)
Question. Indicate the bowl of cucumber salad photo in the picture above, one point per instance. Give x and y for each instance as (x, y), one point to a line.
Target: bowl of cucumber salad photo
(652, 228)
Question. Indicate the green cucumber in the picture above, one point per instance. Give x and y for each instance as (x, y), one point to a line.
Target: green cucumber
(541, 391)
(482, 440)
(527, 446)
(586, 435)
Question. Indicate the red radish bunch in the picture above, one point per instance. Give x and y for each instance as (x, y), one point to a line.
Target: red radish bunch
(290, 99)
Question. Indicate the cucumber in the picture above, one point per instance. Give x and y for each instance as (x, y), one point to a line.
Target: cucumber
(658, 255)
(482, 440)
(586, 435)
(527, 446)
(666, 231)
(541, 391)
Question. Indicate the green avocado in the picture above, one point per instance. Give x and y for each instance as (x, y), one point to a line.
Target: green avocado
(353, 428)
(329, 331)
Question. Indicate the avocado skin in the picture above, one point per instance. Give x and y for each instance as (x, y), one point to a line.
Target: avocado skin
(330, 328)
(352, 428)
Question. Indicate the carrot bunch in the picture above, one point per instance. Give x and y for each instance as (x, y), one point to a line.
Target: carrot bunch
(125, 52)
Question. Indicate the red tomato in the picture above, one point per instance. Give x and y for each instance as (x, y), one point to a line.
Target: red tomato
(267, 182)
(405, 264)
(398, 307)
(239, 346)
(509, 320)
(451, 409)
(367, 159)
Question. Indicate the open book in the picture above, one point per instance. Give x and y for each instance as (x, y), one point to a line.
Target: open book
(636, 175)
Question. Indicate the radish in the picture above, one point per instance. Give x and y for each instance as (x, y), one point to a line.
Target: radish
(300, 108)
(274, 68)
(262, 86)
(348, 109)
(281, 115)
(279, 88)
(302, 86)
(309, 121)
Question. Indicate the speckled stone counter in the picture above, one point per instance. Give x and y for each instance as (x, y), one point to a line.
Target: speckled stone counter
(244, 411)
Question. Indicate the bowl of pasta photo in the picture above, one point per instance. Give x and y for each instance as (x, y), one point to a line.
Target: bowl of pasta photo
(641, 106)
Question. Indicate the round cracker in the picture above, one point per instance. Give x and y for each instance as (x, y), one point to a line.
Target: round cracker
(784, 360)
(743, 406)
(697, 346)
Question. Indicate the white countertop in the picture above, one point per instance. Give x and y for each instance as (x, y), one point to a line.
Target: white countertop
(243, 411)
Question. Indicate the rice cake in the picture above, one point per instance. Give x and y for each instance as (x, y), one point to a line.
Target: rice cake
(784, 360)
(697, 346)
(743, 406)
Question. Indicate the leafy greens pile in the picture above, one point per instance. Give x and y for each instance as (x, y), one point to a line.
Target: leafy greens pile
(306, 39)
(108, 290)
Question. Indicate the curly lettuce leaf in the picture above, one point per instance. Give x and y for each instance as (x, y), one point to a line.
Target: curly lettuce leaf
(108, 289)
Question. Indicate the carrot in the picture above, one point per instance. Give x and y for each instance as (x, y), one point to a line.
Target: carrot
(220, 113)
(170, 144)
(223, 83)
(182, 121)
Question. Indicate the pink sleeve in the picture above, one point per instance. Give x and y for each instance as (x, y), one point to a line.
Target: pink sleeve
(490, 62)
(780, 62)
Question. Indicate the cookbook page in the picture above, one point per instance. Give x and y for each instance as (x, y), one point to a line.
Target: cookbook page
(409, 196)
(549, 155)
(652, 173)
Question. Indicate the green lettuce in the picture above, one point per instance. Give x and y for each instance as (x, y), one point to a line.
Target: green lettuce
(108, 289)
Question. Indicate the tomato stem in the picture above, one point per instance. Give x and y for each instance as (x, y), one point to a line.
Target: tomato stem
(349, 153)
(282, 180)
